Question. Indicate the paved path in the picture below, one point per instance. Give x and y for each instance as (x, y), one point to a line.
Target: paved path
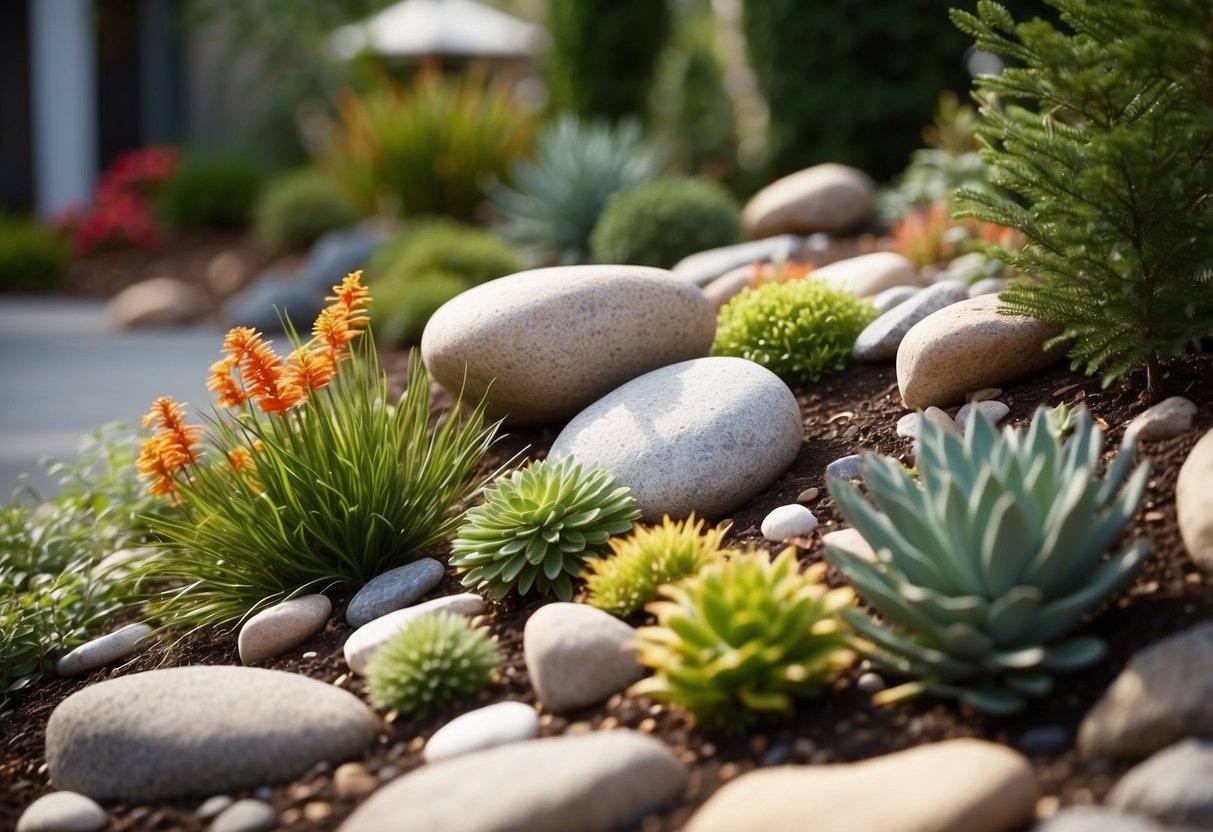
(64, 371)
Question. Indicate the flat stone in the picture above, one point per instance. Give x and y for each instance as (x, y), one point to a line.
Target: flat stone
(1169, 418)
(992, 410)
(62, 812)
(987, 286)
(277, 629)
(967, 346)
(578, 655)
(160, 301)
(703, 267)
(845, 468)
(955, 786)
(830, 197)
(488, 727)
(893, 297)
(1092, 819)
(367, 639)
(551, 341)
(1175, 786)
(392, 590)
(852, 541)
(729, 285)
(200, 730)
(246, 816)
(869, 274)
(1194, 502)
(704, 436)
(880, 339)
(1164, 693)
(105, 649)
(591, 783)
(786, 522)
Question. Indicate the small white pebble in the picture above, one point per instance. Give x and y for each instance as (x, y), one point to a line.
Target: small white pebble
(213, 806)
(62, 812)
(807, 496)
(793, 520)
(844, 468)
(907, 425)
(994, 411)
(985, 394)
(870, 683)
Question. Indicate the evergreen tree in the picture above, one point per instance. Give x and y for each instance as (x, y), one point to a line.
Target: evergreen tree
(1102, 131)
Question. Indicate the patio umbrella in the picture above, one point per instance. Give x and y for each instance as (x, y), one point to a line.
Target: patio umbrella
(419, 29)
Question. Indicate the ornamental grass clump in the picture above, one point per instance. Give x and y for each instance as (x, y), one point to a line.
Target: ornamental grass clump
(801, 330)
(987, 562)
(627, 579)
(538, 527)
(309, 477)
(437, 659)
(743, 638)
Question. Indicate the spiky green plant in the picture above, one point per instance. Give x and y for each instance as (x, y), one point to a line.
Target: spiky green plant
(649, 557)
(538, 527)
(988, 561)
(743, 637)
(557, 198)
(801, 330)
(438, 658)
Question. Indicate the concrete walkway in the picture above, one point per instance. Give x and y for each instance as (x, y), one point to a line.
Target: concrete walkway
(64, 372)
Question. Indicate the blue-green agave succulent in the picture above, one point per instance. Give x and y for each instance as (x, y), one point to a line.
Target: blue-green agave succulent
(988, 562)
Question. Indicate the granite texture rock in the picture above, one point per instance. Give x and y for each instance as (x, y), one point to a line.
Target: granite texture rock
(592, 783)
(577, 655)
(704, 436)
(104, 650)
(1175, 786)
(551, 341)
(200, 730)
(393, 590)
(880, 339)
(869, 275)
(1194, 502)
(62, 812)
(277, 629)
(704, 267)
(368, 638)
(831, 198)
(499, 724)
(967, 346)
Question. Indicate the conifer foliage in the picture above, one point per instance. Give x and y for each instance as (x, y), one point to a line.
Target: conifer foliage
(1102, 133)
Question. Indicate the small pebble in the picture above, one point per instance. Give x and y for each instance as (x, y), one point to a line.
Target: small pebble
(395, 589)
(994, 411)
(985, 394)
(807, 496)
(852, 541)
(276, 629)
(353, 780)
(870, 683)
(487, 727)
(785, 522)
(777, 755)
(1044, 739)
(104, 650)
(246, 816)
(844, 468)
(62, 812)
(212, 806)
(907, 425)
(1170, 417)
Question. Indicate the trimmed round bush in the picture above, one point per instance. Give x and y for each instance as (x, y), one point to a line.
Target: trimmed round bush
(801, 330)
(299, 207)
(210, 193)
(660, 222)
(32, 256)
(402, 308)
(438, 658)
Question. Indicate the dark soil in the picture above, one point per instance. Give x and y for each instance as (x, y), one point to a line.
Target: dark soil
(855, 410)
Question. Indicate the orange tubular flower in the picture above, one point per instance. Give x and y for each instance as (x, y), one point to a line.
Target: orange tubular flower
(351, 295)
(228, 392)
(263, 373)
(308, 370)
(177, 438)
(240, 458)
(332, 331)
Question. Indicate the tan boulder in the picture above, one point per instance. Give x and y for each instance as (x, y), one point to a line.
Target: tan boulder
(161, 301)
(830, 198)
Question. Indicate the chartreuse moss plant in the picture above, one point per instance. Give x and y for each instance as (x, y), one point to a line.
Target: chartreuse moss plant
(623, 582)
(538, 527)
(987, 562)
(744, 637)
(310, 477)
(438, 658)
(801, 330)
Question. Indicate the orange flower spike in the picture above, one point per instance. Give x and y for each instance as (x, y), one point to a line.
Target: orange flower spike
(240, 458)
(350, 293)
(176, 436)
(332, 331)
(308, 370)
(265, 377)
(228, 392)
(159, 459)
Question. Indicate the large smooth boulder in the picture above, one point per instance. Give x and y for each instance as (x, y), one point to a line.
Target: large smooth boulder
(703, 435)
(969, 346)
(1194, 502)
(551, 341)
(829, 197)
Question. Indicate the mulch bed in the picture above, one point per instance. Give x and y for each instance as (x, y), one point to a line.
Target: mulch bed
(855, 410)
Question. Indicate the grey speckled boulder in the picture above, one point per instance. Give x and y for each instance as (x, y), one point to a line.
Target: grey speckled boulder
(703, 436)
(830, 197)
(200, 730)
(880, 339)
(968, 346)
(1194, 502)
(591, 783)
(550, 341)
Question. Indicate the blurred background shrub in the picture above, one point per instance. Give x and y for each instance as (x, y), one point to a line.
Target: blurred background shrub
(300, 206)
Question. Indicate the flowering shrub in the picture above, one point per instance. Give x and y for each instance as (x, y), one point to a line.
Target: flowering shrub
(121, 215)
(309, 476)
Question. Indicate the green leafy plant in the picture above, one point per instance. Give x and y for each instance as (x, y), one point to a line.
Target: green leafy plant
(219, 192)
(627, 579)
(312, 477)
(801, 330)
(659, 223)
(32, 256)
(744, 637)
(299, 207)
(438, 658)
(1101, 137)
(988, 561)
(425, 148)
(538, 527)
(405, 307)
(557, 198)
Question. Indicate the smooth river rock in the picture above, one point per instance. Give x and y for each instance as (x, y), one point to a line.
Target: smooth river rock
(830, 197)
(592, 783)
(200, 730)
(498, 724)
(1164, 693)
(551, 341)
(967, 346)
(869, 274)
(393, 590)
(62, 812)
(1194, 502)
(367, 639)
(277, 629)
(1175, 786)
(703, 267)
(578, 655)
(955, 786)
(105, 650)
(880, 339)
(1169, 418)
(786, 522)
(704, 436)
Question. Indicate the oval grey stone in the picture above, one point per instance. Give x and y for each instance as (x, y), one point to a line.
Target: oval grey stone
(1173, 786)
(200, 730)
(704, 435)
(393, 590)
(590, 783)
(702, 267)
(880, 339)
(104, 650)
